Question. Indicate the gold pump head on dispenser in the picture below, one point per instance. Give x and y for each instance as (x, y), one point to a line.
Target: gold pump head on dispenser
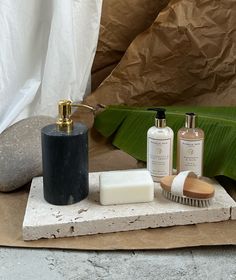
(64, 122)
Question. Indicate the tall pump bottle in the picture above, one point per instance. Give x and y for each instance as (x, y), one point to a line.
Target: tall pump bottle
(65, 158)
(190, 146)
(160, 147)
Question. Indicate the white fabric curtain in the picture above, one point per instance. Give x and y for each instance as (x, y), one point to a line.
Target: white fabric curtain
(46, 54)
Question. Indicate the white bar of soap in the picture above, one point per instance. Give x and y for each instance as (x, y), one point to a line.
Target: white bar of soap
(129, 186)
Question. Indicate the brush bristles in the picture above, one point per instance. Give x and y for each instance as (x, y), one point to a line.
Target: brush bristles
(187, 200)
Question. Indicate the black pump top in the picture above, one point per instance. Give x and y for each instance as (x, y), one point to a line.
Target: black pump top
(160, 113)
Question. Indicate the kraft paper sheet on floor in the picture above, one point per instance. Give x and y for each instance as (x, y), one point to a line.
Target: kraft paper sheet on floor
(12, 208)
(12, 212)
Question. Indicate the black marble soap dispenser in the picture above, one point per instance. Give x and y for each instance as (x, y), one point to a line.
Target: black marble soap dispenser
(65, 159)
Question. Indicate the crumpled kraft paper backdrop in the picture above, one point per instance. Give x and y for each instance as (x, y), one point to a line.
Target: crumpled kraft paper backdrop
(187, 56)
(105, 157)
(121, 22)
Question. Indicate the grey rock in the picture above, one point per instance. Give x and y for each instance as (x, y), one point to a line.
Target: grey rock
(20, 152)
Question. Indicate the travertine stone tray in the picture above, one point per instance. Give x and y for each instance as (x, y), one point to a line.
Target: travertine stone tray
(43, 220)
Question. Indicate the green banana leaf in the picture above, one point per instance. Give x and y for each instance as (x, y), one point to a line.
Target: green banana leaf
(127, 127)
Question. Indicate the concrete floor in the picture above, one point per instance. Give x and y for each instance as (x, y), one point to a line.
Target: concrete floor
(196, 263)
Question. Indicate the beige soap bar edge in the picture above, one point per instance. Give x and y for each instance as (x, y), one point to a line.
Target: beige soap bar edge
(128, 186)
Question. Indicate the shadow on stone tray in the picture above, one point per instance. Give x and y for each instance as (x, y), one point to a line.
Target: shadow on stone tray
(228, 184)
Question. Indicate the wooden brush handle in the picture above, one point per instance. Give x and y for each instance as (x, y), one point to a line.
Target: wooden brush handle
(193, 187)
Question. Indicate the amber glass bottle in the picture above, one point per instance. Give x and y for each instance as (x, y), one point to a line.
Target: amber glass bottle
(190, 146)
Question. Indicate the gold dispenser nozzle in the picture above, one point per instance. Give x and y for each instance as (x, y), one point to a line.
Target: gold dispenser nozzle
(85, 106)
(64, 122)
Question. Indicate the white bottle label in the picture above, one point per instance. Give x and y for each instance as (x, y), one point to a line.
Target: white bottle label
(191, 155)
(159, 157)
